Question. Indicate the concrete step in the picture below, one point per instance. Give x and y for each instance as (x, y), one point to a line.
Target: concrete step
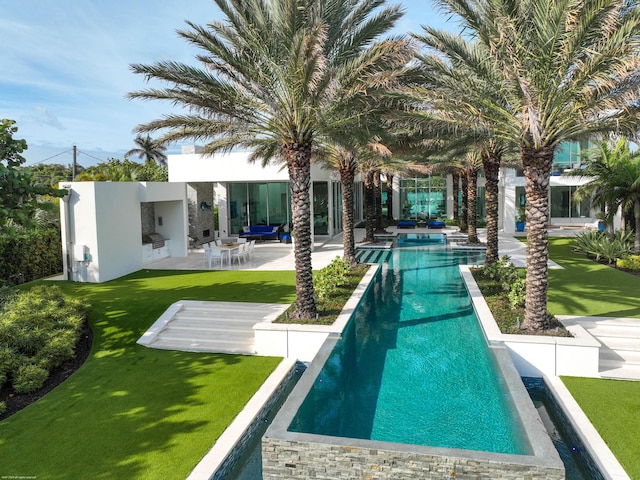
(203, 346)
(211, 327)
(620, 343)
(205, 335)
(607, 330)
(610, 369)
(627, 356)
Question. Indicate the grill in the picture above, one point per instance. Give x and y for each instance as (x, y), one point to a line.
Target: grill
(155, 239)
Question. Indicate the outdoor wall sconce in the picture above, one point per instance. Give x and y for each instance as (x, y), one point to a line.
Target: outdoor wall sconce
(205, 206)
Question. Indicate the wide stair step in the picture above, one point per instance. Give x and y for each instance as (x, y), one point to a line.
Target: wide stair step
(620, 350)
(224, 327)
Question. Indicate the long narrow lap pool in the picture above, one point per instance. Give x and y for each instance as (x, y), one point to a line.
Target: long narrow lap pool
(413, 366)
(411, 389)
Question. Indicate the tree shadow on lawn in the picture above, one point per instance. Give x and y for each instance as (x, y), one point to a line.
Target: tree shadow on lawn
(131, 411)
(155, 419)
(584, 287)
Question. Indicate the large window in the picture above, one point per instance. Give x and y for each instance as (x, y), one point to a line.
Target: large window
(422, 198)
(258, 204)
(320, 208)
(565, 206)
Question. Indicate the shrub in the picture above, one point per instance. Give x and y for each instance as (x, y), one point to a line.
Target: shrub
(600, 246)
(631, 262)
(38, 328)
(517, 293)
(30, 255)
(331, 277)
(3, 408)
(29, 378)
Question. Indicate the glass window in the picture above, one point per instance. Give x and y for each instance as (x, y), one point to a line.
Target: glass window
(237, 207)
(321, 208)
(278, 197)
(560, 201)
(258, 208)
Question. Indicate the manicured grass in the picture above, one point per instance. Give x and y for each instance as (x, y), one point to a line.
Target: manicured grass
(584, 287)
(135, 412)
(613, 407)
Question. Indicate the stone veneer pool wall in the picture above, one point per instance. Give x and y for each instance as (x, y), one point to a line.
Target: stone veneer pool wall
(295, 455)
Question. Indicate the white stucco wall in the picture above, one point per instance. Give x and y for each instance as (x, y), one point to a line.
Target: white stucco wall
(106, 218)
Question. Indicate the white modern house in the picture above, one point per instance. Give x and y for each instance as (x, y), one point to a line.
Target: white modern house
(111, 229)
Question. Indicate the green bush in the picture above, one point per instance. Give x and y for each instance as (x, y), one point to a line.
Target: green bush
(600, 246)
(517, 293)
(29, 378)
(38, 328)
(31, 255)
(3, 408)
(631, 262)
(328, 279)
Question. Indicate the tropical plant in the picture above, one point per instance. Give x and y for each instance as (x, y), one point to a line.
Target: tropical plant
(38, 332)
(116, 170)
(149, 150)
(632, 262)
(274, 75)
(600, 246)
(544, 71)
(20, 194)
(600, 164)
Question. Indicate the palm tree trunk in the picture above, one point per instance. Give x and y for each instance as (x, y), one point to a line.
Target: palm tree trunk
(389, 176)
(464, 228)
(369, 207)
(491, 165)
(472, 205)
(377, 191)
(636, 216)
(456, 192)
(347, 175)
(299, 166)
(537, 171)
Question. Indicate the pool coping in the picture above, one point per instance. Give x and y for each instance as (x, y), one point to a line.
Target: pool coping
(544, 455)
(598, 449)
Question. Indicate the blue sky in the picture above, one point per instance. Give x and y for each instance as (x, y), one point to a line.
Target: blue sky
(65, 68)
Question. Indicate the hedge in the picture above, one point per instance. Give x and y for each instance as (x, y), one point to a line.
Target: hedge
(31, 255)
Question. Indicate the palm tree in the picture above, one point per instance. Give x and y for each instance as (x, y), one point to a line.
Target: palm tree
(601, 164)
(149, 149)
(274, 74)
(544, 71)
(626, 188)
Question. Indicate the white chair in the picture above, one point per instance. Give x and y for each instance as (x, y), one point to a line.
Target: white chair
(250, 249)
(238, 253)
(205, 246)
(215, 253)
(219, 242)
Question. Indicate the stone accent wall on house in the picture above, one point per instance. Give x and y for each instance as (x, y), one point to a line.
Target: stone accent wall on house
(304, 460)
(148, 218)
(201, 221)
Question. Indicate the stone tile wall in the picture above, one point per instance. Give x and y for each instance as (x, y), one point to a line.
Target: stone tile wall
(304, 460)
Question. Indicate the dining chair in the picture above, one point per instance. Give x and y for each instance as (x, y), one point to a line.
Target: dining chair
(238, 253)
(216, 253)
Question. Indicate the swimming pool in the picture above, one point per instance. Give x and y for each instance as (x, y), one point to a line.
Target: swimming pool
(411, 375)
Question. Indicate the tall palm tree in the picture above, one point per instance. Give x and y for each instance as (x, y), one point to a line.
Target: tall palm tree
(149, 149)
(544, 71)
(273, 74)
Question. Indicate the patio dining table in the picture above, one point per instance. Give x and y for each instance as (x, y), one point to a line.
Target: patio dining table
(229, 248)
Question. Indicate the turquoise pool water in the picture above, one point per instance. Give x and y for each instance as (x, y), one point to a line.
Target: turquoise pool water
(413, 366)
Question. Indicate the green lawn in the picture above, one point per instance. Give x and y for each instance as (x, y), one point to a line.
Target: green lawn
(134, 412)
(585, 287)
(613, 407)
